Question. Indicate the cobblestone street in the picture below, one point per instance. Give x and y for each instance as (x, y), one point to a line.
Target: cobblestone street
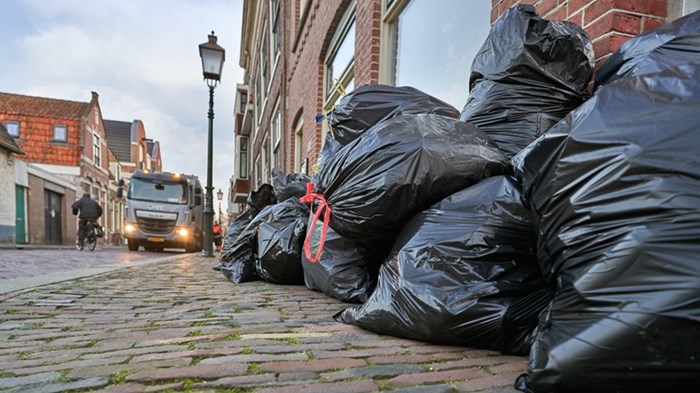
(175, 324)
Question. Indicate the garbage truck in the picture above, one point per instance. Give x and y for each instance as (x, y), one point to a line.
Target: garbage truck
(163, 210)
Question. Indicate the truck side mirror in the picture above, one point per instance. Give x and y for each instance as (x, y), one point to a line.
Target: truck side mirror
(120, 192)
(197, 200)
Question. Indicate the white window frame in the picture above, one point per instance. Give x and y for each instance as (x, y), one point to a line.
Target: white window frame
(276, 130)
(388, 37)
(15, 125)
(265, 61)
(57, 127)
(331, 95)
(243, 157)
(275, 20)
(298, 144)
(96, 150)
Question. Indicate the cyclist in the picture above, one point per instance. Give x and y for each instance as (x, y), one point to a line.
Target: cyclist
(89, 209)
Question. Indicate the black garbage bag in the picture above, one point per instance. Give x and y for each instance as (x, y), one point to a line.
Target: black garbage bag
(529, 74)
(280, 243)
(368, 105)
(345, 270)
(399, 167)
(463, 272)
(288, 185)
(239, 263)
(257, 200)
(666, 46)
(615, 189)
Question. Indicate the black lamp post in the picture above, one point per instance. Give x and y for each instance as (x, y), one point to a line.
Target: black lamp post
(212, 64)
(220, 195)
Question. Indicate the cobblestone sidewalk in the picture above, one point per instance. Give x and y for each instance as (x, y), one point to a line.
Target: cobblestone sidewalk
(178, 325)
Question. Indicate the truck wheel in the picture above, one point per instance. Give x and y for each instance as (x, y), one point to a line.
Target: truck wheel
(191, 247)
(133, 245)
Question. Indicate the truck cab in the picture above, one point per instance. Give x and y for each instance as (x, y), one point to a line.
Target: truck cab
(163, 210)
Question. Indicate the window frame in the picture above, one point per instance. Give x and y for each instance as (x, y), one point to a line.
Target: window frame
(96, 150)
(14, 123)
(243, 157)
(388, 38)
(348, 74)
(276, 131)
(65, 133)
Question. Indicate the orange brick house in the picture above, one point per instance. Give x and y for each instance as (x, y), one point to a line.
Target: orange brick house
(66, 139)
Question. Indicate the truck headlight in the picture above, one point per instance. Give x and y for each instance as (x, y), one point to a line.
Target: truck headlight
(129, 228)
(183, 232)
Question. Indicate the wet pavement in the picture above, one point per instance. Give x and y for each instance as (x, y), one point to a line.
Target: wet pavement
(168, 322)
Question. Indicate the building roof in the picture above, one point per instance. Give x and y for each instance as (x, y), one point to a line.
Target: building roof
(41, 106)
(119, 139)
(8, 142)
(153, 148)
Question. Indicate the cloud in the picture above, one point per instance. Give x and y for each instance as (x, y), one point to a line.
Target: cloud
(142, 58)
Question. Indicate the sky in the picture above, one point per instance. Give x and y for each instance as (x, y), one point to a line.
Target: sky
(142, 58)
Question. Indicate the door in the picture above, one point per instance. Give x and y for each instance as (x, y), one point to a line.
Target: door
(52, 215)
(20, 216)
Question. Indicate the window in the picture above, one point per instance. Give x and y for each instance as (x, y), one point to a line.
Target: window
(243, 158)
(298, 140)
(276, 136)
(265, 63)
(265, 159)
(12, 128)
(60, 133)
(275, 26)
(258, 173)
(243, 101)
(339, 63)
(420, 55)
(96, 149)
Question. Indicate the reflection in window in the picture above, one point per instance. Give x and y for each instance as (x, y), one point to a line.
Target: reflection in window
(343, 57)
(243, 158)
(13, 128)
(60, 133)
(432, 48)
(340, 64)
(96, 156)
(276, 136)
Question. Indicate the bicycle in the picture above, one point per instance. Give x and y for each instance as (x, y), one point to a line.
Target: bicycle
(90, 236)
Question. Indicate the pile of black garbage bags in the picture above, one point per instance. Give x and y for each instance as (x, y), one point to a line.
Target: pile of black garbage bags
(556, 216)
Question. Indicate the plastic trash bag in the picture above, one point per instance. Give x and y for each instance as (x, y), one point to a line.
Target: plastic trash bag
(288, 185)
(463, 272)
(345, 270)
(368, 105)
(257, 200)
(666, 46)
(280, 243)
(529, 73)
(615, 189)
(402, 166)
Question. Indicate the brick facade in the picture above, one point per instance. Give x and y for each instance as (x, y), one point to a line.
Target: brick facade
(72, 161)
(308, 27)
(609, 23)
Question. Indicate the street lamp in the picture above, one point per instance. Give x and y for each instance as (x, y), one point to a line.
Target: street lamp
(220, 195)
(212, 64)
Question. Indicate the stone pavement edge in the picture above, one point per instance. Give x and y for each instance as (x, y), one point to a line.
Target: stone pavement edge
(178, 325)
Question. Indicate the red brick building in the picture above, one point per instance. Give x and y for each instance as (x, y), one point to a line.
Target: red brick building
(300, 55)
(67, 141)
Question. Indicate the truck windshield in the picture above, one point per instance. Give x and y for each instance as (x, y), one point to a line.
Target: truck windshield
(157, 191)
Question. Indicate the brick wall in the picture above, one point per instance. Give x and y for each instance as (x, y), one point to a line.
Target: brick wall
(609, 23)
(306, 66)
(36, 139)
(7, 197)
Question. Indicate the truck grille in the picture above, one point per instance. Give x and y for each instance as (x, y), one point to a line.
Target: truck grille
(150, 225)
